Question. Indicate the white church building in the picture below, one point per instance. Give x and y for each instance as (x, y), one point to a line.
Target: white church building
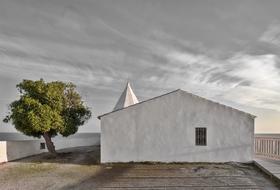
(175, 127)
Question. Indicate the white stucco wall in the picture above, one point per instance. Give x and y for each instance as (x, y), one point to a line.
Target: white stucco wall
(20, 149)
(12, 150)
(163, 129)
(3, 151)
(61, 143)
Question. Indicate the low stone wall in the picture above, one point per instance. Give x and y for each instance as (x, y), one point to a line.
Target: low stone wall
(12, 150)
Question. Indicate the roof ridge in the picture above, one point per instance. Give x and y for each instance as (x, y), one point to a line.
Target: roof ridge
(138, 103)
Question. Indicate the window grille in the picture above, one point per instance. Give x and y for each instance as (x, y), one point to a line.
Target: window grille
(42, 146)
(200, 136)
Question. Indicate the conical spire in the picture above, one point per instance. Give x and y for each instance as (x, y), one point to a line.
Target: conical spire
(127, 98)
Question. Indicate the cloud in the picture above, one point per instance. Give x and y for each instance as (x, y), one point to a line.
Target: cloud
(260, 70)
(254, 97)
(272, 35)
(264, 81)
(162, 61)
(98, 46)
(24, 59)
(245, 79)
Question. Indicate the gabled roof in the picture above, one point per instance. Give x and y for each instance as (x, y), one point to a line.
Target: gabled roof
(127, 98)
(253, 116)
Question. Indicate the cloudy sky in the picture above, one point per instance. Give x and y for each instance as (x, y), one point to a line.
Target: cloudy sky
(228, 51)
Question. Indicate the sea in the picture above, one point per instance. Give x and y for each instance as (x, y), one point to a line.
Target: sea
(22, 137)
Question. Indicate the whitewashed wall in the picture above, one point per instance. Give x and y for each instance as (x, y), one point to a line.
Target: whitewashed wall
(3, 151)
(12, 150)
(66, 142)
(163, 129)
(20, 149)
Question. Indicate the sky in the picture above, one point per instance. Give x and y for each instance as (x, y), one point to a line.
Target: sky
(223, 50)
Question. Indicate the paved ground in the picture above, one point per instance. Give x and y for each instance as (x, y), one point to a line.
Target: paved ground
(271, 167)
(79, 169)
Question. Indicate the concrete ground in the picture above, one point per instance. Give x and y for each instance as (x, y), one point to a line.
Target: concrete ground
(79, 169)
(271, 167)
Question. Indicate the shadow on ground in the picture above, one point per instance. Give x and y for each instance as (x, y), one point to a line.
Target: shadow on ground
(89, 155)
(104, 177)
(175, 176)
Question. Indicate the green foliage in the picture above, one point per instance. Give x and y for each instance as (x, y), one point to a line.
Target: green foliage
(53, 108)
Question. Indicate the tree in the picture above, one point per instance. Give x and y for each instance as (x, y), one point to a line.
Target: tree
(47, 109)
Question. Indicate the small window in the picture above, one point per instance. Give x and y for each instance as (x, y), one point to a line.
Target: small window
(42, 146)
(200, 136)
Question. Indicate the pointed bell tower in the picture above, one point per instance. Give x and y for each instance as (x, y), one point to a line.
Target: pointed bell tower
(127, 98)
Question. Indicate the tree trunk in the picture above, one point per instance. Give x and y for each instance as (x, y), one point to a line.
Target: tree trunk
(49, 143)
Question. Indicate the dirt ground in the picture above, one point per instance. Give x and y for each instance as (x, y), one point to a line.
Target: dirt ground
(79, 168)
